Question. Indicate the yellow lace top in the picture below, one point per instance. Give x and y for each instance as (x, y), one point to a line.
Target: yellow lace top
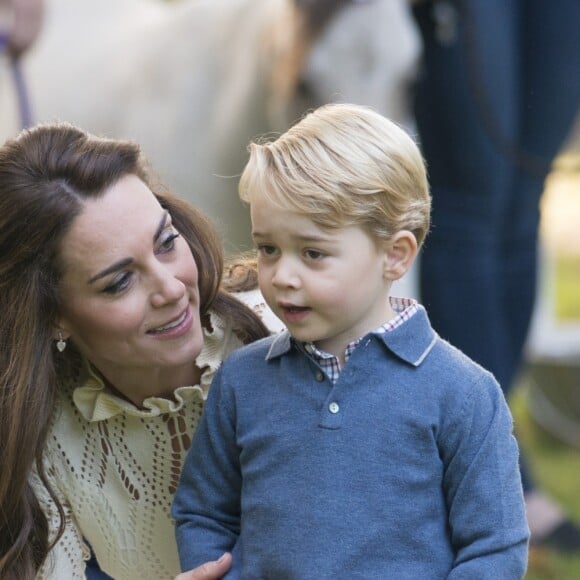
(115, 468)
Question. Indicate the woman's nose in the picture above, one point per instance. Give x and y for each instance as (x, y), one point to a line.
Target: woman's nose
(167, 288)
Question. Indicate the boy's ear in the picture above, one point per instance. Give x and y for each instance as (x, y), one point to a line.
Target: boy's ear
(400, 253)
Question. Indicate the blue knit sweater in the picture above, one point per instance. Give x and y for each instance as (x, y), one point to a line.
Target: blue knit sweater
(405, 468)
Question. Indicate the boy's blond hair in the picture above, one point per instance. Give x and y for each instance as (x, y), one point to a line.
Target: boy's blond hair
(344, 165)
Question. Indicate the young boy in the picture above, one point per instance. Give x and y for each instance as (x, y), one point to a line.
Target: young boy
(356, 444)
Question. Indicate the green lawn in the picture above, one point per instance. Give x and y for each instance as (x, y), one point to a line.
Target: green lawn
(557, 469)
(567, 287)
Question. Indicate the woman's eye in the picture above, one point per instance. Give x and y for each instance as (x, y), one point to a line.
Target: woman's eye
(167, 243)
(120, 283)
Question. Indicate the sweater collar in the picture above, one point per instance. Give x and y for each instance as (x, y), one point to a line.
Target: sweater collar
(411, 341)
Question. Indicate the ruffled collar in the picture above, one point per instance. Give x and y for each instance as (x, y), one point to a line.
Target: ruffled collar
(97, 403)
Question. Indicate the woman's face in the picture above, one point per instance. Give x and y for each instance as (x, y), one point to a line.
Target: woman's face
(129, 290)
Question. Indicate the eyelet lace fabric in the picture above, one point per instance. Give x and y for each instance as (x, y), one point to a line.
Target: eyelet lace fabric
(115, 469)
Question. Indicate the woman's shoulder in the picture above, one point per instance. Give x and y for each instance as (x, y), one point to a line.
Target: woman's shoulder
(241, 280)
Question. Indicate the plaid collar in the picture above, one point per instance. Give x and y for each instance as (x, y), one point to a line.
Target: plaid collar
(404, 307)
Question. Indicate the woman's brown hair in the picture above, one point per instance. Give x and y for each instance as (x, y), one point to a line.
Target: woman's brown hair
(46, 174)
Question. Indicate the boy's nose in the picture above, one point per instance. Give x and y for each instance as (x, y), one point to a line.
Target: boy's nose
(285, 274)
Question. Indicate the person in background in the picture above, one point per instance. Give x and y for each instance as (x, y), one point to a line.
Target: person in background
(357, 443)
(112, 325)
(20, 24)
(496, 99)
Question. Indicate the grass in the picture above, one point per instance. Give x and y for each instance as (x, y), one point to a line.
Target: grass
(567, 287)
(556, 468)
(555, 465)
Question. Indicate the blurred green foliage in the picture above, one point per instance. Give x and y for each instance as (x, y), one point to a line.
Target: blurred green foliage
(556, 468)
(567, 287)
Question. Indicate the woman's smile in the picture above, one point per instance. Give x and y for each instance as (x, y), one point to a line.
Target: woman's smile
(176, 328)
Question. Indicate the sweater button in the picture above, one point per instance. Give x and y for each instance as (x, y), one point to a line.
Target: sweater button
(333, 408)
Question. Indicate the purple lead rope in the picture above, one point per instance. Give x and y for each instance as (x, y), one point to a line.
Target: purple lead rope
(19, 85)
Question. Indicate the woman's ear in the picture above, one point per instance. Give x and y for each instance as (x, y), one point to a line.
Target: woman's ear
(60, 331)
(400, 253)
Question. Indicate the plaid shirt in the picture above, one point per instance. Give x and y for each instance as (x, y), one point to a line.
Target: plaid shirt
(404, 307)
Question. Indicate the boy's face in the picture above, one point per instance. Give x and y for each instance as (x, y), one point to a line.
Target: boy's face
(328, 286)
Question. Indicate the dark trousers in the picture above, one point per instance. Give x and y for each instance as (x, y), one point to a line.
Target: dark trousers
(495, 101)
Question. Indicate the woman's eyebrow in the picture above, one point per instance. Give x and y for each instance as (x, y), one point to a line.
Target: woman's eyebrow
(127, 261)
(161, 226)
(110, 269)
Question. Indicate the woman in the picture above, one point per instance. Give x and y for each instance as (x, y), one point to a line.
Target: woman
(112, 324)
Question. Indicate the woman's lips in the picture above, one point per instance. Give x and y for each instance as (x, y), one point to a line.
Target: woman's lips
(175, 328)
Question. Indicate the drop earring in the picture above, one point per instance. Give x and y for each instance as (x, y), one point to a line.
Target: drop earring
(60, 343)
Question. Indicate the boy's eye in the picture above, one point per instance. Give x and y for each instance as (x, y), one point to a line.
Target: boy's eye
(266, 250)
(314, 254)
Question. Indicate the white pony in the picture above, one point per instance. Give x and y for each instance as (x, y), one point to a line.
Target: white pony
(193, 81)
